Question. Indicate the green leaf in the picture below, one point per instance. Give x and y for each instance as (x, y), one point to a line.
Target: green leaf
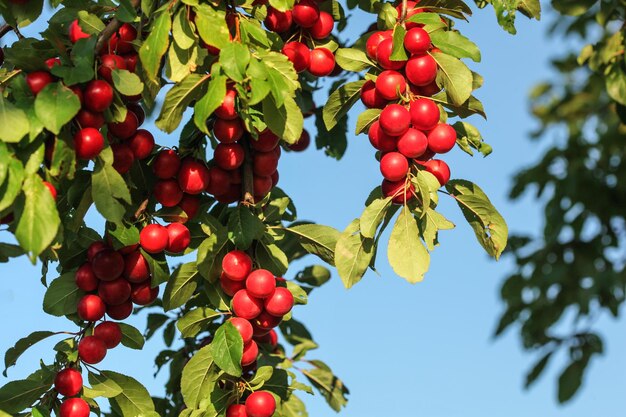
(182, 32)
(537, 369)
(126, 82)
(109, 190)
(55, 106)
(571, 379)
(227, 349)
(365, 119)
(62, 296)
(210, 253)
(199, 378)
(293, 407)
(126, 12)
(212, 27)
(38, 221)
(398, 53)
(353, 254)
(489, 226)
(315, 275)
(178, 98)
(271, 257)
(12, 354)
(90, 23)
(317, 239)
(134, 400)
(332, 388)
(429, 226)
(122, 235)
(18, 395)
(616, 82)
(407, 255)
(101, 386)
(234, 60)
(455, 44)
(468, 138)
(12, 186)
(352, 59)
(281, 76)
(181, 286)
(204, 108)
(455, 77)
(373, 216)
(340, 102)
(286, 121)
(159, 269)
(14, 124)
(131, 337)
(194, 321)
(155, 45)
(244, 227)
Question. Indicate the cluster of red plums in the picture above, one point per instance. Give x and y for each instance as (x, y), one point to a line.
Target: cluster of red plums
(258, 404)
(408, 132)
(302, 27)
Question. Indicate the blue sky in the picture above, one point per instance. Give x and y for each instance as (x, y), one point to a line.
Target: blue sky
(425, 349)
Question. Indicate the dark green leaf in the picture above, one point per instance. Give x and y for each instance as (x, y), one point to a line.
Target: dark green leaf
(227, 349)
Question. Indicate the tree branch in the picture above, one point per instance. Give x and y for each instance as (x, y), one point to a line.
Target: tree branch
(111, 28)
(4, 29)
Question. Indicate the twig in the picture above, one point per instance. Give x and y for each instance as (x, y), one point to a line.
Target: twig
(111, 28)
(248, 177)
(4, 29)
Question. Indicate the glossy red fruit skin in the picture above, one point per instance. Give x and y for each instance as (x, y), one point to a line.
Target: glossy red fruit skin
(227, 110)
(85, 278)
(98, 95)
(370, 97)
(279, 303)
(261, 185)
(394, 166)
(87, 118)
(442, 138)
(271, 338)
(153, 238)
(421, 70)
(109, 332)
(278, 21)
(193, 176)
(114, 292)
(398, 191)
(143, 294)
(373, 42)
(417, 41)
(391, 85)
(228, 131)
(88, 143)
(108, 265)
(142, 144)
(266, 142)
(237, 265)
(439, 169)
(395, 120)
(383, 56)
(50, 187)
(121, 311)
(167, 193)
(219, 181)
(91, 350)
(136, 267)
(179, 238)
(120, 42)
(74, 407)
(246, 306)
(109, 62)
(430, 89)
(139, 112)
(68, 382)
(413, 143)
(322, 62)
(322, 26)
(250, 353)
(38, 80)
(236, 410)
(166, 164)
(125, 129)
(244, 328)
(260, 404)
(380, 140)
(228, 156)
(305, 13)
(76, 32)
(261, 283)
(229, 286)
(425, 114)
(190, 204)
(130, 60)
(299, 54)
(123, 157)
(301, 144)
(264, 163)
(266, 321)
(95, 248)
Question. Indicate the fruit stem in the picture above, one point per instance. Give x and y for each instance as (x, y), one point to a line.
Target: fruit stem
(405, 5)
(248, 178)
(110, 29)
